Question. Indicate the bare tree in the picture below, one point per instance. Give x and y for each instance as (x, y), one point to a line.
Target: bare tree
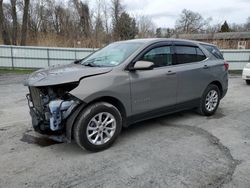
(247, 25)
(105, 8)
(98, 24)
(191, 22)
(25, 22)
(35, 18)
(84, 13)
(14, 22)
(3, 26)
(146, 26)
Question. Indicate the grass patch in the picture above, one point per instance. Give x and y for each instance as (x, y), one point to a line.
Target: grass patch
(16, 71)
(235, 71)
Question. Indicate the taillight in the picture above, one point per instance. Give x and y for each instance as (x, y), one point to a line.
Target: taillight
(226, 65)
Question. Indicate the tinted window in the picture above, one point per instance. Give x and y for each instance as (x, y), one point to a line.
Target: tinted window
(200, 55)
(214, 51)
(160, 56)
(188, 54)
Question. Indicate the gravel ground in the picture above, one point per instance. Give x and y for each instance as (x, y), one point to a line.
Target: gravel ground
(179, 150)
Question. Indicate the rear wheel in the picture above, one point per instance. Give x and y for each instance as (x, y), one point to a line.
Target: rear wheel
(98, 126)
(248, 82)
(210, 101)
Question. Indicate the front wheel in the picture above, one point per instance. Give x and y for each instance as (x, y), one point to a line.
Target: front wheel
(98, 126)
(210, 101)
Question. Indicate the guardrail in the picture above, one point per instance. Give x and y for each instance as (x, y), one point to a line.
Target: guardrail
(40, 57)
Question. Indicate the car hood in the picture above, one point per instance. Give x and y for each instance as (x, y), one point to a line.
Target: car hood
(62, 74)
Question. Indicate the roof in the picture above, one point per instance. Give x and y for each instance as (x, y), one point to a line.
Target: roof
(148, 41)
(214, 36)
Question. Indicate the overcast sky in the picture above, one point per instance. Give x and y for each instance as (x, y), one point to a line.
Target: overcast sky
(165, 12)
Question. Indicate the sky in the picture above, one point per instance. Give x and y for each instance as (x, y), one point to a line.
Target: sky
(165, 12)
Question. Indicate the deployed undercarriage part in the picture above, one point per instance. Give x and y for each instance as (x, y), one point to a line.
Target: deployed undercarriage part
(59, 110)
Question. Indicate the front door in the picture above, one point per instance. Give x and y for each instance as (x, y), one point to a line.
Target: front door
(154, 89)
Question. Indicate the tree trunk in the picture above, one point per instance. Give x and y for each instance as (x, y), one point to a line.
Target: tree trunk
(3, 27)
(14, 24)
(25, 22)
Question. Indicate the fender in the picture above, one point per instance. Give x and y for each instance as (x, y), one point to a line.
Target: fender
(71, 121)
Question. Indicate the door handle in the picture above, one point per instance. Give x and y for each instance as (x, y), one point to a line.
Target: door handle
(205, 67)
(170, 73)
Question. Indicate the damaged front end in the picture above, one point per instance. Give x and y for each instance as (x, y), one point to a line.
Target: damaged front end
(50, 106)
(53, 109)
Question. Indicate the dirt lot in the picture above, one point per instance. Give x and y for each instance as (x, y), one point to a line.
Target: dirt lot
(179, 150)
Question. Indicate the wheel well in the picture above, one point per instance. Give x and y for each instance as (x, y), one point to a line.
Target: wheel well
(115, 102)
(218, 84)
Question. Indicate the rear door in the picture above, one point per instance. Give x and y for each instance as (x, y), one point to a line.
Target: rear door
(193, 71)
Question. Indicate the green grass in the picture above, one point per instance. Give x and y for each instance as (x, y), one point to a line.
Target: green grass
(16, 71)
(235, 71)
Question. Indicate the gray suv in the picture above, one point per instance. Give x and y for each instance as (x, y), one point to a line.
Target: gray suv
(125, 82)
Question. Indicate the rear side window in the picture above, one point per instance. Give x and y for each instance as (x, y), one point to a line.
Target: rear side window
(188, 54)
(160, 56)
(213, 50)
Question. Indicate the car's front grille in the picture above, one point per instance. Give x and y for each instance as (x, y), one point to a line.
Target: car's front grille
(36, 98)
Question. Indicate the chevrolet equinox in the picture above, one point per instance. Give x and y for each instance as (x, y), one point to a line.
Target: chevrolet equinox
(91, 99)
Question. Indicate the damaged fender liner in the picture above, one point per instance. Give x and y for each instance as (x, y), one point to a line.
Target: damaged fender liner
(71, 121)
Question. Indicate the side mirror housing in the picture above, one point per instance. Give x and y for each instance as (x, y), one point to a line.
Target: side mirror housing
(142, 65)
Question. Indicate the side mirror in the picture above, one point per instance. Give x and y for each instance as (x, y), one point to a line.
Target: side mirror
(142, 65)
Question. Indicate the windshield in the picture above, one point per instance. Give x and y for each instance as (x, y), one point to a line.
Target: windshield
(111, 55)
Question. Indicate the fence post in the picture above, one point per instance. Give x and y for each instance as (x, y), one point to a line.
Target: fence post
(75, 54)
(12, 58)
(48, 57)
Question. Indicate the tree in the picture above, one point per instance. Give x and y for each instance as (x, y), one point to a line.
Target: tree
(225, 27)
(98, 25)
(106, 17)
(191, 22)
(3, 26)
(25, 22)
(14, 22)
(117, 10)
(126, 27)
(84, 14)
(247, 25)
(146, 27)
(158, 32)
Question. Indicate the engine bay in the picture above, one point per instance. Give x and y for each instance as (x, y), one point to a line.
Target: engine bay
(51, 106)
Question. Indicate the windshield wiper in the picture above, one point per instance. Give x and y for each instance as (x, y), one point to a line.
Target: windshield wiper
(91, 64)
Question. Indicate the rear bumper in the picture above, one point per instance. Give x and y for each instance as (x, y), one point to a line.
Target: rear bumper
(246, 74)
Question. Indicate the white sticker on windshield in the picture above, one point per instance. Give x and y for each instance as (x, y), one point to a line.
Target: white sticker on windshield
(114, 62)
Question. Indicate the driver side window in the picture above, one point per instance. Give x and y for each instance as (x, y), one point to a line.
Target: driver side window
(160, 56)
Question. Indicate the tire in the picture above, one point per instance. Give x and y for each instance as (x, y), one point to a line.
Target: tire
(207, 108)
(248, 82)
(103, 134)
